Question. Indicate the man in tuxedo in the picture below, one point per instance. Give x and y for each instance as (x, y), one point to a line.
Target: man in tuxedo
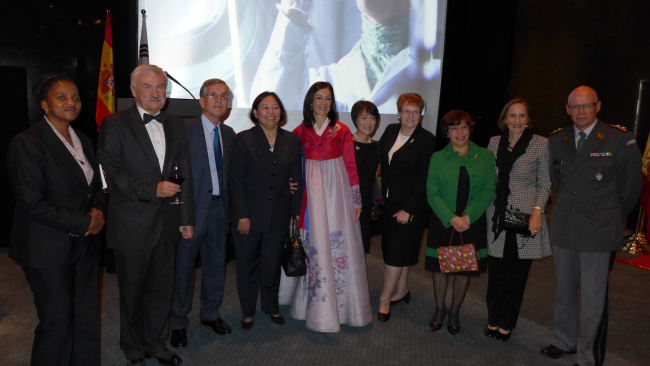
(136, 148)
(211, 143)
(596, 171)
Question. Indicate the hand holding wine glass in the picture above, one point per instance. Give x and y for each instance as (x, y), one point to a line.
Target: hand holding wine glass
(176, 176)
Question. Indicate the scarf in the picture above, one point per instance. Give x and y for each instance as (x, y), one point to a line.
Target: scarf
(504, 162)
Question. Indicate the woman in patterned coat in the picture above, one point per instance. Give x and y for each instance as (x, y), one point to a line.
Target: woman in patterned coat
(523, 183)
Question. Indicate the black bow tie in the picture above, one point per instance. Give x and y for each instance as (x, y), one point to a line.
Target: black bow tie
(158, 117)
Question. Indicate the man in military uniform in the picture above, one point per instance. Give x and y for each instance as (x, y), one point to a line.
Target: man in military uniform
(596, 171)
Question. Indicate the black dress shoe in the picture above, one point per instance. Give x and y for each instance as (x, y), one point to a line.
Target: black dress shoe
(453, 319)
(576, 364)
(168, 358)
(178, 338)
(279, 320)
(218, 325)
(136, 362)
(436, 324)
(502, 337)
(554, 352)
(383, 317)
(406, 299)
(246, 325)
(490, 332)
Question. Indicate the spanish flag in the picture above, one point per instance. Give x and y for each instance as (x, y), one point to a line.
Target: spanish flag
(106, 88)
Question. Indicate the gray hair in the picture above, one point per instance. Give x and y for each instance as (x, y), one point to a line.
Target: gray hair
(210, 82)
(150, 70)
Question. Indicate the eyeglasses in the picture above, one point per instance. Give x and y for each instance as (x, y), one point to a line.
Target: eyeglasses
(223, 96)
(585, 107)
(410, 113)
(455, 128)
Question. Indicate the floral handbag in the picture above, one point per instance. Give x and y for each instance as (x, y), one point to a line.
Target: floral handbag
(457, 258)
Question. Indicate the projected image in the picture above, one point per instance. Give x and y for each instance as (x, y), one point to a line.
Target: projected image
(368, 49)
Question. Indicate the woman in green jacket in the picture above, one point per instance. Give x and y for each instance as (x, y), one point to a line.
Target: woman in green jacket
(460, 186)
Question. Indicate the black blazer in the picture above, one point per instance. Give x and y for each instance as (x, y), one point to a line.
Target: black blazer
(259, 179)
(137, 219)
(201, 169)
(53, 198)
(406, 175)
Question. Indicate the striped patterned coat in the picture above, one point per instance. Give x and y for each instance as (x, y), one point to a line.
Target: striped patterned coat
(530, 186)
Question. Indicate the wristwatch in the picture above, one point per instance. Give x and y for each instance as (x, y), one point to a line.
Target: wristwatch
(539, 208)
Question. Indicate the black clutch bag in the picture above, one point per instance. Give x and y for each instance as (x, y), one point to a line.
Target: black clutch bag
(517, 222)
(294, 258)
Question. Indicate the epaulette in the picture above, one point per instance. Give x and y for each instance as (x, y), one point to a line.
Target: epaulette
(619, 127)
(556, 131)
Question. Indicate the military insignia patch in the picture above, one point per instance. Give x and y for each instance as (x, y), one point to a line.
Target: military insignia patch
(630, 142)
(565, 138)
(600, 135)
(601, 154)
(599, 176)
(619, 127)
(556, 131)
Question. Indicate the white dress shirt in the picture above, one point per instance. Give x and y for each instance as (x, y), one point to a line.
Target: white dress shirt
(587, 131)
(157, 137)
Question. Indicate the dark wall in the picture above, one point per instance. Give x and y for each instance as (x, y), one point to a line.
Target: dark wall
(477, 62)
(561, 44)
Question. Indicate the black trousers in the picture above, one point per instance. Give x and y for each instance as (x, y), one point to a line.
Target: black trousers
(258, 257)
(365, 221)
(146, 281)
(507, 278)
(67, 303)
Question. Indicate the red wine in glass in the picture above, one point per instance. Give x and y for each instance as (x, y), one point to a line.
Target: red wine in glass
(177, 176)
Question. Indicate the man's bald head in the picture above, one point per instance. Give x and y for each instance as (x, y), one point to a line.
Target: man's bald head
(583, 106)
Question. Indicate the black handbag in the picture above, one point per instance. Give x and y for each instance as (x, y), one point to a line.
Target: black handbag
(294, 258)
(517, 222)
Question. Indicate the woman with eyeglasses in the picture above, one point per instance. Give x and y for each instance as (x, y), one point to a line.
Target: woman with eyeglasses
(523, 184)
(460, 186)
(405, 151)
(335, 289)
(265, 159)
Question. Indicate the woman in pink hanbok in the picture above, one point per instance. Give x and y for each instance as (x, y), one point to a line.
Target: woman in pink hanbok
(335, 289)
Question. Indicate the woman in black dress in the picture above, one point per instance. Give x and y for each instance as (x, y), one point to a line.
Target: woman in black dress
(460, 186)
(365, 117)
(406, 150)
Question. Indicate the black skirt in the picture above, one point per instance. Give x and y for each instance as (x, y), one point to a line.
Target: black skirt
(440, 236)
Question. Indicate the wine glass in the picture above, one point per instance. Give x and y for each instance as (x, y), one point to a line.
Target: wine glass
(176, 175)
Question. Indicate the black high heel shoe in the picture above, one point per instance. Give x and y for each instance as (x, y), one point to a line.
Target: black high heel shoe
(503, 337)
(490, 332)
(279, 320)
(406, 299)
(453, 319)
(435, 325)
(383, 317)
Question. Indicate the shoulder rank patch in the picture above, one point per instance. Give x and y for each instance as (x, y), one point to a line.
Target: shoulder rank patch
(565, 138)
(600, 135)
(620, 127)
(556, 131)
(630, 142)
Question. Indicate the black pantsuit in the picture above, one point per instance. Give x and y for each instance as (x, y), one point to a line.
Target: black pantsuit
(258, 256)
(140, 324)
(259, 186)
(506, 285)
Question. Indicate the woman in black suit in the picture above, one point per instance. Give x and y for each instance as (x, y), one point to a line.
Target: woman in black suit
(406, 150)
(264, 161)
(59, 204)
(365, 117)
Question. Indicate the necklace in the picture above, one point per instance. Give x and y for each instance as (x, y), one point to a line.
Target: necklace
(356, 137)
(272, 144)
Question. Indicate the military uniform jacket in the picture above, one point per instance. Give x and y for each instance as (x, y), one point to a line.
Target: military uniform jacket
(595, 189)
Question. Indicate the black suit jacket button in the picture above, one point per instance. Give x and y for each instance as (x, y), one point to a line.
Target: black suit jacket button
(272, 185)
(273, 174)
(89, 195)
(270, 198)
(274, 163)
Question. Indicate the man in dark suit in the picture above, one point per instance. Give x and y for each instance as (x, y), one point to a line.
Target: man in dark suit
(210, 144)
(136, 147)
(596, 171)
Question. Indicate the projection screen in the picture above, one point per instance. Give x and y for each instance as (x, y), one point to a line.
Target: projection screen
(368, 49)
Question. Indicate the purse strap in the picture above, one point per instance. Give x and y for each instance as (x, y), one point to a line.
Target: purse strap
(452, 237)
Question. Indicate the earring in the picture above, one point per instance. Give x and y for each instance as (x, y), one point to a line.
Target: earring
(47, 111)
